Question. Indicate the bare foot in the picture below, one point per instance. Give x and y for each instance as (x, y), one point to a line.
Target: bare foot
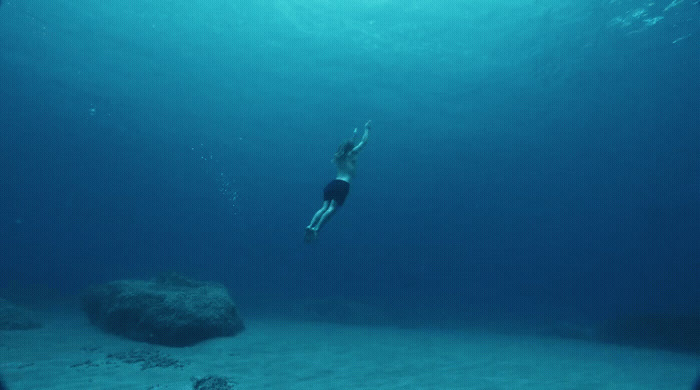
(311, 235)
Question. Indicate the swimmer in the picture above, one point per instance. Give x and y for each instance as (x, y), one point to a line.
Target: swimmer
(335, 192)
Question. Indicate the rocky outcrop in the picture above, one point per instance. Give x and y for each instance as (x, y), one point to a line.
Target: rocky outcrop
(170, 310)
(16, 318)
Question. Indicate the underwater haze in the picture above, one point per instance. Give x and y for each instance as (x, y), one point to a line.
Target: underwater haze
(532, 160)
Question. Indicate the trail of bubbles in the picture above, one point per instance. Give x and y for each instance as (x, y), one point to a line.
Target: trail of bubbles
(225, 183)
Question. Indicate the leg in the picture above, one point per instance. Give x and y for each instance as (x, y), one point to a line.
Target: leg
(330, 210)
(318, 214)
(312, 230)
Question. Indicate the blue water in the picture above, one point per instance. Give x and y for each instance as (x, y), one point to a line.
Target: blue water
(529, 160)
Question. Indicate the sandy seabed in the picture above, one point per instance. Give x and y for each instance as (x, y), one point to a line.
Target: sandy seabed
(69, 353)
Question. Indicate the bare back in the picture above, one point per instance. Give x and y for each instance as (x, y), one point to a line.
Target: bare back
(346, 167)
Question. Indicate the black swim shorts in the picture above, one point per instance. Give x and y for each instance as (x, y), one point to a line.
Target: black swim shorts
(336, 190)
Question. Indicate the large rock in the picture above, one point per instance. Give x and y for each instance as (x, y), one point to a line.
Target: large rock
(170, 310)
(16, 318)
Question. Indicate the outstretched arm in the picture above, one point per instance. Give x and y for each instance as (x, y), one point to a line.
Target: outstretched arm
(362, 142)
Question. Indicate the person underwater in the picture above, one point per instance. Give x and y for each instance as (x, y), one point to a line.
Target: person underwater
(337, 190)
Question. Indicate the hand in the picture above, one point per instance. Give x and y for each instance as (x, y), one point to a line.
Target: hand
(368, 124)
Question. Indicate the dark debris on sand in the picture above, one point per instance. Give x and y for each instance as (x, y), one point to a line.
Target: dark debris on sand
(212, 382)
(147, 359)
